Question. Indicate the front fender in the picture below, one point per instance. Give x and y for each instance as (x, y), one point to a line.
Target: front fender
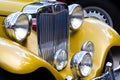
(18, 59)
(103, 38)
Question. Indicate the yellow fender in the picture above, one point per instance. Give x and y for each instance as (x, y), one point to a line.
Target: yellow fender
(18, 59)
(103, 38)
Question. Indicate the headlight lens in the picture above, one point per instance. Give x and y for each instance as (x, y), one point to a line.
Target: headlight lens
(18, 26)
(81, 64)
(88, 46)
(60, 59)
(76, 14)
(85, 65)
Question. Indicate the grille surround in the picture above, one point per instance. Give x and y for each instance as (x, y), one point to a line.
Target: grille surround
(52, 31)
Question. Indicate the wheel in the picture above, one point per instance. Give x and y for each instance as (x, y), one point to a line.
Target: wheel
(99, 13)
(103, 10)
(109, 58)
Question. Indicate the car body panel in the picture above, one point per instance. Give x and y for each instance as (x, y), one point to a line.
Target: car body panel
(22, 61)
(103, 38)
(19, 60)
(24, 58)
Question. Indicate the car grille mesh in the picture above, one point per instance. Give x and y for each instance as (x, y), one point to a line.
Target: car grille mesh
(52, 33)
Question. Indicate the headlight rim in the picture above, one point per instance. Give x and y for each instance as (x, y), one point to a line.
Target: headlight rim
(72, 8)
(80, 70)
(10, 25)
(86, 45)
(75, 64)
(56, 55)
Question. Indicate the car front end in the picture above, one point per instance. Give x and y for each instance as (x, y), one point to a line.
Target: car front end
(58, 45)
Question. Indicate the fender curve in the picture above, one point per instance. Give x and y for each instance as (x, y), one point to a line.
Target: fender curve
(17, 59)
(103, 38)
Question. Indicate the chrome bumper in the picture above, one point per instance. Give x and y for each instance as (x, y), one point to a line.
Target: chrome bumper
(107, 76)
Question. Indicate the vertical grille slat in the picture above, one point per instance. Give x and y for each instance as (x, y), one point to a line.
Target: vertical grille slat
(52, 33)
(61, 31)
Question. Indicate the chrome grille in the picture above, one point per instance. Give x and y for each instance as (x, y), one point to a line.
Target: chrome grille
(52, 32)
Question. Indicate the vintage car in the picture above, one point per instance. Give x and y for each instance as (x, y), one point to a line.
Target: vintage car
(64, 46)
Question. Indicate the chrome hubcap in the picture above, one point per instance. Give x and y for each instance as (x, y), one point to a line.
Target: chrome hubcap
(99, 13)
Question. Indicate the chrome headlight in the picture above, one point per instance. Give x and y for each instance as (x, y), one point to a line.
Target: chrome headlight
(18, 26)
(60, 59)
(88, 46)
(81, 64)
(76, 14)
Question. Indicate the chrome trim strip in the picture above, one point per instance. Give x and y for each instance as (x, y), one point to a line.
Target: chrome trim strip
(34, 7)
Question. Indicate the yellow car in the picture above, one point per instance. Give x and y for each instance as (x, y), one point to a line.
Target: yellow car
(65, 46)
